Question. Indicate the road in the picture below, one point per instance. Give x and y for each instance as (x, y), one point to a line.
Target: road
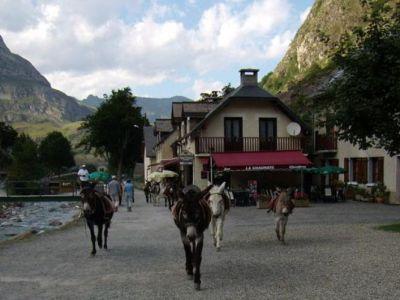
(333, 252)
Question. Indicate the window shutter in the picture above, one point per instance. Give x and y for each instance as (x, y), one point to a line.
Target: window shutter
(380, 169)
(346, 169)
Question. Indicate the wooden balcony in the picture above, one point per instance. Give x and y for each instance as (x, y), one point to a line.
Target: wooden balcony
(248, 144)
(325, 143)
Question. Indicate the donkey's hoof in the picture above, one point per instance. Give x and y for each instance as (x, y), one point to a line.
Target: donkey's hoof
(197, 286)
(218, 249)
(105, 247)
(93, 254)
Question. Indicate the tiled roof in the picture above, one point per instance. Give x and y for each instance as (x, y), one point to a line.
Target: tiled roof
(150, 140)
(197, 108)
(163, 125)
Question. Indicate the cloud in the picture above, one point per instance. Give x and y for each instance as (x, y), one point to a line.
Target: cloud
(101, 81)
(279, 44)
(83, 47)
(201, 86)
(304, 14)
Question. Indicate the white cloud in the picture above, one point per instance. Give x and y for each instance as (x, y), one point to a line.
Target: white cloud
(83, 47)
(101, 81)
(201, 86)
(279, 44)
(304, 14)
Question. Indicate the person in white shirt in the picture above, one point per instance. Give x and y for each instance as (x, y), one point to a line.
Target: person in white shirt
(83, 175)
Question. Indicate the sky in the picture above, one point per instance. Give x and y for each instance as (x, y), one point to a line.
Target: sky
(159, 48)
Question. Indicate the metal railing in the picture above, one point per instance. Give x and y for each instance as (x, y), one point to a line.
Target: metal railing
(248, 144)
(34, 190)
(326, 142)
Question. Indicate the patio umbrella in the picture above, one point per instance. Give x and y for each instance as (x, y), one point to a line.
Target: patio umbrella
(168, 174)
(326, 170)
(155, 176)
(99, 176)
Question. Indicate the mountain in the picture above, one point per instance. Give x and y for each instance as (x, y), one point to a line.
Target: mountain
(154, 108)
(27, 96)
(307, 66)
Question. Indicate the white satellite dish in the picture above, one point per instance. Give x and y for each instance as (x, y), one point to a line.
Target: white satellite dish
(293, 129)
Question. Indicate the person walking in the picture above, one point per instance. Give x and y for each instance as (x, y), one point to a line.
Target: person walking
(114, 190)
(83, 175)
(129, 194)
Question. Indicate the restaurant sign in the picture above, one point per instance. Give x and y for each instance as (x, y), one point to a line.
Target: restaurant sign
(186, 158)
(260, 168)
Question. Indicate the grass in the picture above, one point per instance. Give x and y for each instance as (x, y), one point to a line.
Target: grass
(390, 227)
(40, 129)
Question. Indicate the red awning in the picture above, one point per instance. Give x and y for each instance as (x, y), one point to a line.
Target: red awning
(170, 162)
(204, 160)
(260, 160)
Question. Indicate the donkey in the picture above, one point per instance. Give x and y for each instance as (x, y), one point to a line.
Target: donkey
(192, 215)
(98, 209)
(219, 204)
(282, 206)
(170, 193)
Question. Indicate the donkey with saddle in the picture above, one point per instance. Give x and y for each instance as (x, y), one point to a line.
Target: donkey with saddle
(282, 205)
(98, 209)
(192, 215)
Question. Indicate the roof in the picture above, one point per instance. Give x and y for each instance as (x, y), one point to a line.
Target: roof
(163, 125)
(197, 108)
(176, 110)
(191, 109)
(250, 92)
(150, 140)
(260, 160)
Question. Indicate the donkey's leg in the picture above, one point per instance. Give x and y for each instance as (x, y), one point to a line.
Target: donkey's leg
(100, 236)
(107, 225)
(198, 248)
(277, 222)
(213, 230)
(283, 229)
(189, 256)
(92, 237)
(218, 234)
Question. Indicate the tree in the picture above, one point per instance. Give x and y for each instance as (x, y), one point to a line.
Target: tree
(8, 137)
(25, 165)
(364, 101)
(55, 152)
(114, 131)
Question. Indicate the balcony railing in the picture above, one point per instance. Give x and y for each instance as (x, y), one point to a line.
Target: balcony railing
(325, 142)
(248, 144)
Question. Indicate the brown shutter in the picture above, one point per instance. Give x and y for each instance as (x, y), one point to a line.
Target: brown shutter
(380, 169)
(346, 169)
(364, 166)
(334, 177)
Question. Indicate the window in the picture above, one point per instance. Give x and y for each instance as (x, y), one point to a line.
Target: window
(233, 134)
(377, 169)
(360, 170)
(363, 170)
(233, 128)
(267, 129)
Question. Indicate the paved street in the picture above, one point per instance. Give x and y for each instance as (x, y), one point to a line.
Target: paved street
(333, 252)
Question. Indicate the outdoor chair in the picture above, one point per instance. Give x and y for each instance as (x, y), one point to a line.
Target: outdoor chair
(328, 195)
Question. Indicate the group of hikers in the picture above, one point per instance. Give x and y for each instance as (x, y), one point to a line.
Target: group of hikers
(118, 191)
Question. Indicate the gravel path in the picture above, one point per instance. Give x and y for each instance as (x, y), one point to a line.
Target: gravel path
(333, 252)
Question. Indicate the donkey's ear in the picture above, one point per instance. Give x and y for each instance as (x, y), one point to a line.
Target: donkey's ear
(222, 187)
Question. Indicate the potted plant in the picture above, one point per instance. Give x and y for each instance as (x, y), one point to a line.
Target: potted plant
(380, 193)
(301, 199)
(350, 191)
(262, 201)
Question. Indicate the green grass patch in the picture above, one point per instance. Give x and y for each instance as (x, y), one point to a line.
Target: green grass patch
(390, 227)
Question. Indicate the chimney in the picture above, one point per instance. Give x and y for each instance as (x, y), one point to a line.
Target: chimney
(248, 77)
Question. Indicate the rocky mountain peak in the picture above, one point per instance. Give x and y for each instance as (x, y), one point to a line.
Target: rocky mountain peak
(3, 46)
(26, 95)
